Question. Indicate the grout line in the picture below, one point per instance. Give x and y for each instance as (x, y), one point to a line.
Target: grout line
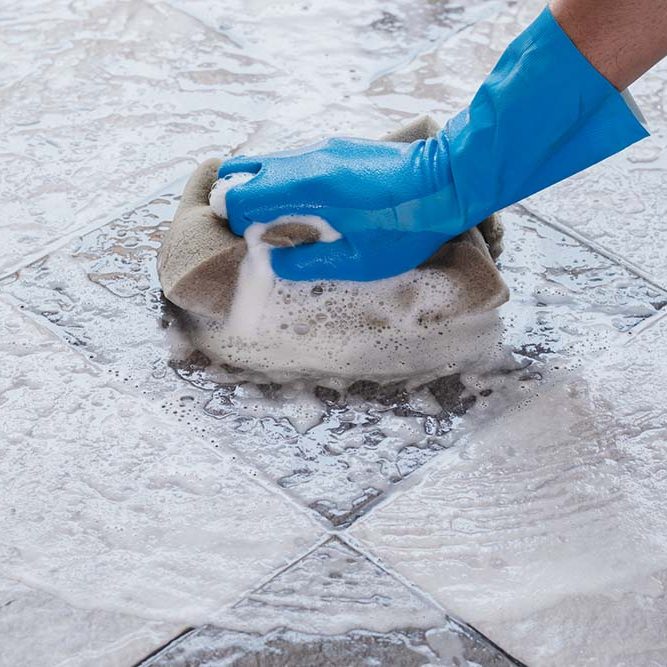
(262, 478)
(645, 324)
(277, 572)
(363, 549)
(176, 639)
(230, 607)
(593, 245)
(79, 232)
(209, 25)
(53, 330)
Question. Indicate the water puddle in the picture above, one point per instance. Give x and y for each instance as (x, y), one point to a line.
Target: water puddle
(338, 447)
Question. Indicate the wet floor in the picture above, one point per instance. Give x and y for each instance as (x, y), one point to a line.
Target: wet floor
(161, 504)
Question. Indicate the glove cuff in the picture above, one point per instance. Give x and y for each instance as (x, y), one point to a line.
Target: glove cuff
(543, 114)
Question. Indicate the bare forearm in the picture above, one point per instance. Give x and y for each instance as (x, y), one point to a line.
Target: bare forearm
(622, 39)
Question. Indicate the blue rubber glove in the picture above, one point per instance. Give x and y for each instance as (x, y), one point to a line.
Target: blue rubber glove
(543, 114)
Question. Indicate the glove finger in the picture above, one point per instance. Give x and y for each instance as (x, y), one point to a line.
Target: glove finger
(318, 261)
(240, 163)
(249, 202)
(368, 256)
(262, 199)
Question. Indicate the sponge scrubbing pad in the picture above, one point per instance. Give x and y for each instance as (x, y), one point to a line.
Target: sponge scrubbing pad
(329, 326)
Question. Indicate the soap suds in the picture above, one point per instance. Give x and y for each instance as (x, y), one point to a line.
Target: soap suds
(256, 278)
(218, 195)
(398, 327)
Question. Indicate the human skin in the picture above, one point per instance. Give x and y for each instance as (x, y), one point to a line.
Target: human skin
(622, 39)
(547, 111)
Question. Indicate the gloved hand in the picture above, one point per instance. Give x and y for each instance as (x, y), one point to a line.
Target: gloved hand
(369, 191)
(543, 114)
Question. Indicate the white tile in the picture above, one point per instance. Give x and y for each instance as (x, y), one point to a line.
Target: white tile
(111, 505)
(618, 628)
(105, 101)
(38, 629)
(553, 512)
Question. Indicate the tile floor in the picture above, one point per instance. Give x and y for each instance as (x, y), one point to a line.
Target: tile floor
(164, 510)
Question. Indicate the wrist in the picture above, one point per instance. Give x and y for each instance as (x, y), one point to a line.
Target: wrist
(621, 39)
(543, 114)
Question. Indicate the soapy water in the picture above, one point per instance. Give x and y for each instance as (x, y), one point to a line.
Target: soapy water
(327, 449)
(256, 278)
(337, 451)
(336, 444)
(347, 329)
(306, 339)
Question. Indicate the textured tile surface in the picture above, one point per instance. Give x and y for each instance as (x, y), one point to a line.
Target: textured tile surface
(556, 511)
(103, 493)
(334, 607)
(336, 451)
(39, 629)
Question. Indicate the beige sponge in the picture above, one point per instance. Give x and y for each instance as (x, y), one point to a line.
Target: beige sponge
(395, 327)
(199, 259)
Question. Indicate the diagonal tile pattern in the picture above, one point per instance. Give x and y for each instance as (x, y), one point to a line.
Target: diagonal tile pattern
(102, 493)
(549, 511)
(333, 607)
(526, 497)
(336, 451)
(334, 584)
(101, 296)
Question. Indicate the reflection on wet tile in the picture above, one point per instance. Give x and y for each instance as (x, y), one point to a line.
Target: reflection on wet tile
(38, 629)
(103, 492)
(336, 450)
(546, 528)
(333, 607)
(565, 297)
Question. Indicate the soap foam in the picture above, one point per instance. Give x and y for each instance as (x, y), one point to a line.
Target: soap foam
(256, 277)
(343, 328)
(218, 195)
